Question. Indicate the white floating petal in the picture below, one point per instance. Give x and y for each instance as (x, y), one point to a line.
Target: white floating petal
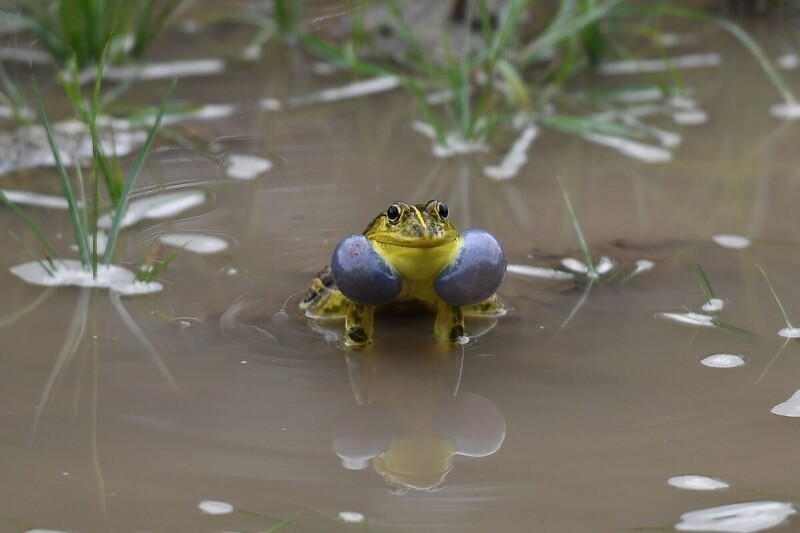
(195, 242)
(157, 206)
(737, 518)
(68, 272)
(351, 517)
(36, 199)
(723, 360)
(661, 65)
(634, 149)
(574, 265)
(215, 507)
(693, 482)
(790, 333)
(790, 407)
(692, 319)
(713, 305)
(786, 111)
(246, 167)
(734, 242)
(539, 272)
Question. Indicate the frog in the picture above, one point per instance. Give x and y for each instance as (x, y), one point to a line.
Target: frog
(410, 253)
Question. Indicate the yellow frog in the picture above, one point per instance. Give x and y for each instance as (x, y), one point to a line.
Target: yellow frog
(410, 252)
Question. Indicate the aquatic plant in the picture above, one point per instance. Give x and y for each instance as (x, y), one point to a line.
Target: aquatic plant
(505, 71)
(84, 200)
(83, 29)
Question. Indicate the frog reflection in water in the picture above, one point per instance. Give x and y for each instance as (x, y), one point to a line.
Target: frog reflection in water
(410, 253)
(411, 420)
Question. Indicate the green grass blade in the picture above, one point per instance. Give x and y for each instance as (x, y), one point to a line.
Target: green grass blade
(581, 239)
(30, 223)
(69, 193)
(122, 206)
(777, 300)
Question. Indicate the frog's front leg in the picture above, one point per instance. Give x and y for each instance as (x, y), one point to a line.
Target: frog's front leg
(358, 324)
(366, 280)
(449, 324)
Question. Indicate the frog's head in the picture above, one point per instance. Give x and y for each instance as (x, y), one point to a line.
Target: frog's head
(413, 226)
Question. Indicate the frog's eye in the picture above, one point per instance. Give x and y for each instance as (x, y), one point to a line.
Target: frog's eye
(393, 213)
(441, 208)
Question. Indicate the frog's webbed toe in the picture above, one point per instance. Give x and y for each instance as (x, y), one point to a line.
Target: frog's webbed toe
(361, 274)
(476, 273)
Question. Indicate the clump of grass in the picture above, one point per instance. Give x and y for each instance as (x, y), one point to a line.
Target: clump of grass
(83, 29)
(84, 199)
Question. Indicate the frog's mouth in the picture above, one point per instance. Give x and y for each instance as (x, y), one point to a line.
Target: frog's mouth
(426, 242)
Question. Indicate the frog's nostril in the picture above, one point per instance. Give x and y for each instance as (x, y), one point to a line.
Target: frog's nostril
(476, 273)
(361, 273)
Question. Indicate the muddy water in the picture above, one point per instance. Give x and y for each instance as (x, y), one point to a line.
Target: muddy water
(538, 424)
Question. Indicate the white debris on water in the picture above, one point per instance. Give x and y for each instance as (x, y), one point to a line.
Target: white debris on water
(575, 265)
(634, 149)
(790, 407)
(164, 70)
(788, 61)
(246, 167)
(694, 482)
(746, 517)
(642, 265)
(36, 199)
(214, 507)
(515, 158)
(102, 240)
(139, 288)
(539, 272)
(156, 206)
(352, 90)
(713, 305)
(722, 360)
(790, 333)
(270, 104)
(733, 242)
(195, 242)
(691, 319)
(70, 272)
(454, 144)
(786, 110)
(690, 117)
(605, 265)
(351, 517)
(711, 59)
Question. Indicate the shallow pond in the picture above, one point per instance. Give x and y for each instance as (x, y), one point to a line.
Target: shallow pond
(569, 414)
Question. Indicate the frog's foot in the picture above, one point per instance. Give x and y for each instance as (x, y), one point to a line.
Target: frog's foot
(324, 299)
(361, 274)
(476, 273)
(449, 325)
(358, 324)
(490, 307)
